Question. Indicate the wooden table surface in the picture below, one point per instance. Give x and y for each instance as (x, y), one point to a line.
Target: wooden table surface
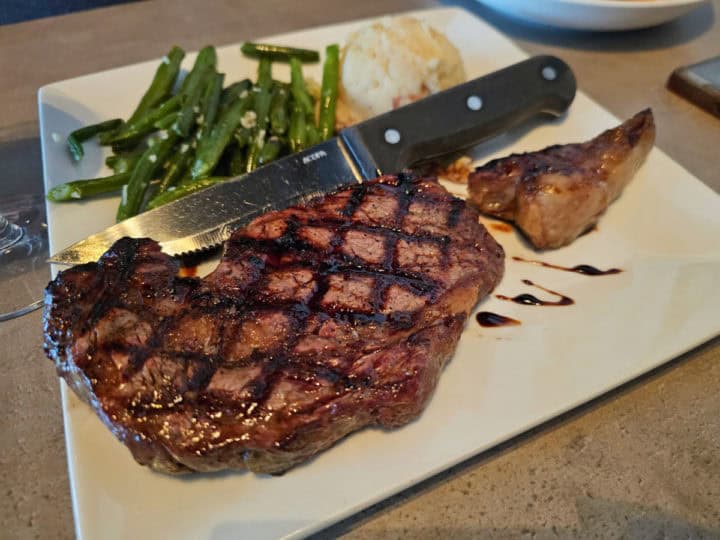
(642, 461)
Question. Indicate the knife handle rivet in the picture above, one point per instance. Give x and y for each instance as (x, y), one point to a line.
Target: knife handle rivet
(392, 136)
(549, 73)
(474, 103)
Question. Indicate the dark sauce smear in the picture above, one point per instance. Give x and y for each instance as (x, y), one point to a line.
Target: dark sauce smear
(489, 319)
(584, 269)
(532, 300)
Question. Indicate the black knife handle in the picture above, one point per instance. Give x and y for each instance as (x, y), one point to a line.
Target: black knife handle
(461, 116)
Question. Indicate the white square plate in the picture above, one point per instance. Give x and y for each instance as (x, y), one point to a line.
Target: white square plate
(663, 232)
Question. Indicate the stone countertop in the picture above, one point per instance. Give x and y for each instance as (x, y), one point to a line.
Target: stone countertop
(640, 462)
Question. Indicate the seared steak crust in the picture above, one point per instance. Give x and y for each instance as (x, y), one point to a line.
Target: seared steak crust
(319, 320)
(555, 194)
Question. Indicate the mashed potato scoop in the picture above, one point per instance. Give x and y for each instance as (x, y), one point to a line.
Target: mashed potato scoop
(393, 62)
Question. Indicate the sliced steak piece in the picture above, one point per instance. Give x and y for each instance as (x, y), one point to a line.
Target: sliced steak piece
(318, 320)
(556, 194)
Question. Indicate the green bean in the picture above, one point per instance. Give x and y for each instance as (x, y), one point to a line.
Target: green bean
(205, 57)
(237, 161)
(211, 146)
(113, 160)
(279, 110)
(297, 87)
(297, 132)
(167, 121)
(134, 145)
(242, 136)
(161, 85)
(137, 186)
(264, 78)
(192, 89)
(313, 135)
(263, 100)
(121, 163)
(253, 155)
(77, 137)
(270, 150)
(234, 92)
(125, 148)
(176, 167)
(82, 189)
(258, 138)
(211, 101)
(329, 92)
(193, 94)
(278, 52)
(183, 190)
(186, 178)
(145, 124)
(155, 139)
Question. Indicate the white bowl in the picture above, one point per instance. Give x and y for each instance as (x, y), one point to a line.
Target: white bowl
(595, 14)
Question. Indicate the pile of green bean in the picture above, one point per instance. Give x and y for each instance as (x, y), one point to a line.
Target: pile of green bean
(176, 143)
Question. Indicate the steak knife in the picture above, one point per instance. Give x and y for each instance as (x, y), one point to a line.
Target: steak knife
(448, 121)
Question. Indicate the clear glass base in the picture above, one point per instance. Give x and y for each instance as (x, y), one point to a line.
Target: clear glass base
(24, 271)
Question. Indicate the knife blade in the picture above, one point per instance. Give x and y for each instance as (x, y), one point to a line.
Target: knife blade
(451, 120)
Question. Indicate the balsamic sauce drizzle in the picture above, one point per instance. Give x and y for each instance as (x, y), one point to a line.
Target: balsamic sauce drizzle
(584, 269)
(532, 300)
(489, 319)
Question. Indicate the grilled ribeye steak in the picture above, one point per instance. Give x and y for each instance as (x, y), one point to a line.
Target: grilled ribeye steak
(319, 320)
(555, 194)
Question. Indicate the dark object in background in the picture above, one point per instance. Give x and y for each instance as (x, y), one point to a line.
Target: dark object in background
(15, 11)
(699, 83)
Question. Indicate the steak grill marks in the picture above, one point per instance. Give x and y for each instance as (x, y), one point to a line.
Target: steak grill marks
(323, 265)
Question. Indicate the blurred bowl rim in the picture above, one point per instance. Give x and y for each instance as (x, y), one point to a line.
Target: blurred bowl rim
(634, 4)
